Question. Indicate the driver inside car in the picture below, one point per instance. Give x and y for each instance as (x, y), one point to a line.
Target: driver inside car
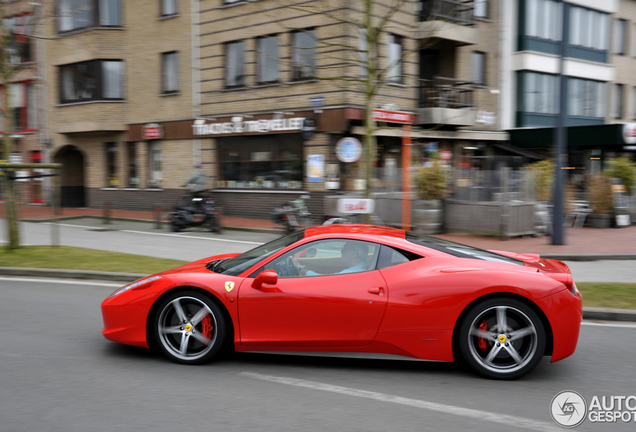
(353, 254)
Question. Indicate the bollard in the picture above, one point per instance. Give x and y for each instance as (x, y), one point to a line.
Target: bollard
(156, 210)
(106, 218)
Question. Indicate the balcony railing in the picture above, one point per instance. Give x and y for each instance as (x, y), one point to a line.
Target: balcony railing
(443, 92)
(458, 12)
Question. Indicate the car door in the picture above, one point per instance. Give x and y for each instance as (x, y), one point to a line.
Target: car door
(326, 308)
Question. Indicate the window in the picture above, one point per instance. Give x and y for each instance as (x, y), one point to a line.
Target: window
(22, 107)
(168, 7)
(363, 52)
(620, 30)
(481, 9)
(478, 63)
(92, 80)
(543, 19)
(617, 102)
(263, 162)
(78, 14)
(539, 93)
(325, 258)
(234, 64)
(268, 59)
(170, 65)
(589, 28)
(390, 257)
(394, 68)
(303, 55)
(112, 179)
(154, 173)
(586, 98)
(133, 174)
(19, 45)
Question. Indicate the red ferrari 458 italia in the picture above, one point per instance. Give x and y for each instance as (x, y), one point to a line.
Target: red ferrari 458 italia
(357, 289)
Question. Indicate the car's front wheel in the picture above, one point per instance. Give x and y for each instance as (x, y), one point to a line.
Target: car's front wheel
(502, 338)
(189, 328)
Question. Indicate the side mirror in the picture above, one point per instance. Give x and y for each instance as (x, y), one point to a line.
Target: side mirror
(265, 277)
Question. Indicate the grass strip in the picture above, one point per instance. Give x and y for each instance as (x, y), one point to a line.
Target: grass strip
(608, 295)
(65, 257)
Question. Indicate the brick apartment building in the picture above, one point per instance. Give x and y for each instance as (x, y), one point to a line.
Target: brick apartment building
(27, 108)
(140, 90)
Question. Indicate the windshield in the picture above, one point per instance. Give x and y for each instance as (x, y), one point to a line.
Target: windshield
(458, 249)
(237, 265)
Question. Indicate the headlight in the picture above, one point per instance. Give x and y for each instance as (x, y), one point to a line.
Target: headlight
(139, 283)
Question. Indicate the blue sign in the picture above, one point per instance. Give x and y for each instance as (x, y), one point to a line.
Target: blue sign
(348, 149)
(317, 101)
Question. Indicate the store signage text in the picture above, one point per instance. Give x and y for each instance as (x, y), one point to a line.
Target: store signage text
(250, 126)
(629, 133)
(352, 206)
(392, 116)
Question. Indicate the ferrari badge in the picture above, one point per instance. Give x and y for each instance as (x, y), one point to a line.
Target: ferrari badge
(229, 286)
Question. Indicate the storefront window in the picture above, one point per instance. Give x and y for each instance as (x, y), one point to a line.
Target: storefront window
(111, 164)
(133, 176)
(155, 175)
(272, 162)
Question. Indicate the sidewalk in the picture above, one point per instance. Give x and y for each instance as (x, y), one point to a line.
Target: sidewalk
(580, 243)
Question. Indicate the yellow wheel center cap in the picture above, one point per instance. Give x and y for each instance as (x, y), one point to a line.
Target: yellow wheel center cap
(502, 339)
(188, 328)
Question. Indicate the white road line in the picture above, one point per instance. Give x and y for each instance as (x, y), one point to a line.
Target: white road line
(61, 281)
(608, 324)
(504, 419)
(165, 234)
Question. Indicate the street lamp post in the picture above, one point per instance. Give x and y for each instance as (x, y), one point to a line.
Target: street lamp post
(560, 138)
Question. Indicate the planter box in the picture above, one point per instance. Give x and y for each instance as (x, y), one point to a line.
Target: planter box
(600, 220)
(505, 219)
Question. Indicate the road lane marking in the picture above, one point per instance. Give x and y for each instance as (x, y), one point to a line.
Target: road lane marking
(607, 324)
(60, 281)
(165, 234)
(507, 420)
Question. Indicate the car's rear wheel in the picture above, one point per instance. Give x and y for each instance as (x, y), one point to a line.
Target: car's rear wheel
(502, 338)
(189, 328)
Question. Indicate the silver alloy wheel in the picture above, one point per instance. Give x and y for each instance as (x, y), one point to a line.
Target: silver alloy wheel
(502, 339)
(187, 328)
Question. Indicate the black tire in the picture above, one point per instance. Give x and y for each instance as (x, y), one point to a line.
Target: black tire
(174, 226)
(502, 354)
(189, 328)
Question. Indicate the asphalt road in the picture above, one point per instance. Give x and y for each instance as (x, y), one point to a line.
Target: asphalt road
(57, 373)
(143, 239)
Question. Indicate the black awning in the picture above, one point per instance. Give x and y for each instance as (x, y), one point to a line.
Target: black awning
(522, 152)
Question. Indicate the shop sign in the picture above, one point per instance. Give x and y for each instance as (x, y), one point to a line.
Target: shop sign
(629, 133)
(348, 149)
(152, 131)
(486, 118)
(392, 116)
(315, 168)
(251, 126)
(446, 155)
(353, 205)
(309, 128)
(317, 101)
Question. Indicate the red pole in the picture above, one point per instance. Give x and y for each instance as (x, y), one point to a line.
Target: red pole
(406, 177)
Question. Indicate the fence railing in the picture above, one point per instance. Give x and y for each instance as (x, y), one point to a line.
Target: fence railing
(443, 92)
(459, 12)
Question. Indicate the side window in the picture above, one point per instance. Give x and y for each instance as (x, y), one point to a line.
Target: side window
(390, 257)
(326, 257)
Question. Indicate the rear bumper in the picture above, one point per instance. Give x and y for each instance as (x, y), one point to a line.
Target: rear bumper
(564, 311)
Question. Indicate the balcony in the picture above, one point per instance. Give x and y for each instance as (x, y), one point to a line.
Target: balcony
(446, 101)
(447, 20)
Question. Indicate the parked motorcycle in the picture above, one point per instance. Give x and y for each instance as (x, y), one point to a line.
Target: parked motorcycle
(195, 212)
(293, 215)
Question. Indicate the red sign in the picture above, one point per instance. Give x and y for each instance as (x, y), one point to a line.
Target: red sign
(152, 131)
(446, 155)
(392, 116)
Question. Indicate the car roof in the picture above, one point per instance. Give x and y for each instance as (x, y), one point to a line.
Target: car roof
(360, 229)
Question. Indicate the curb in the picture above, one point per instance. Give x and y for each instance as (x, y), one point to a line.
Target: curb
(603, 314)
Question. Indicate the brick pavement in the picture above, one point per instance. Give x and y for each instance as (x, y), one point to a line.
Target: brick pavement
(579, 241)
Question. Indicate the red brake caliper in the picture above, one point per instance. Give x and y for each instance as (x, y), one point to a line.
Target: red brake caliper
(206, 327)
(481, 342)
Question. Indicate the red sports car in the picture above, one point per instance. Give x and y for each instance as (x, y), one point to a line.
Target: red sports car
(357, 289)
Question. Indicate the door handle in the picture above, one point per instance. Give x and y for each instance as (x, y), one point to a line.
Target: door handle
(377, 291)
